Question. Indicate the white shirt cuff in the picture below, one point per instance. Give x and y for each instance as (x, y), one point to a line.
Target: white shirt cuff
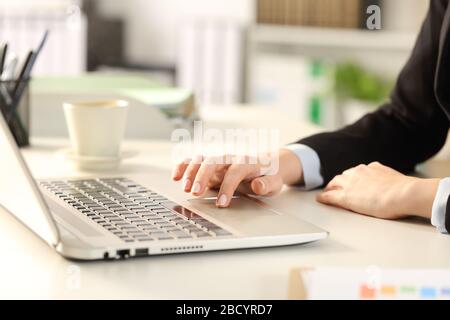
(440, 205)
(310, 163)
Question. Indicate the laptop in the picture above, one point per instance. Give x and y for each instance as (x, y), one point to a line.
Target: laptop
(117, 218)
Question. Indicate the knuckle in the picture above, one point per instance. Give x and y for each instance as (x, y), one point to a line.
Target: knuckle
(236, 170)
(360, 168)
(231, 181)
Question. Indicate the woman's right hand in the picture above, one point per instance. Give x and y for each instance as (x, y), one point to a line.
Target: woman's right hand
(199, 174)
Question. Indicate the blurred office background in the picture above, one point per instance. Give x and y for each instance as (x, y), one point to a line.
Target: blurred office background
(313, 60)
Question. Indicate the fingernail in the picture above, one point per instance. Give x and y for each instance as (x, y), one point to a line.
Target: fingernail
(262, 185)
(186, 184)
(174, 174)
(196, 188)
(222, 200)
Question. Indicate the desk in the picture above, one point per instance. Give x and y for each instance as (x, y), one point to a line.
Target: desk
(31, 269)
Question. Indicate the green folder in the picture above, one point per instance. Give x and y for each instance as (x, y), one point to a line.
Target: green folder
(134, 87)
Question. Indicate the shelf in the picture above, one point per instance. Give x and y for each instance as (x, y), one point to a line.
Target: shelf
(331, 38)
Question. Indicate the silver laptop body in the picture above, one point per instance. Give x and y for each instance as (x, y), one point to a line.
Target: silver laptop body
(115, 217)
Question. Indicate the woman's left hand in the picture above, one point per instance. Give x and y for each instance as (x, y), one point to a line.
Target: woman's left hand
(382, 192)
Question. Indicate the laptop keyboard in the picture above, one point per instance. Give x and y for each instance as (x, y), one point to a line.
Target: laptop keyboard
(132, 212)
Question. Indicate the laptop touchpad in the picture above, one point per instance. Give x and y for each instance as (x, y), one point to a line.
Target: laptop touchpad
(247, 215)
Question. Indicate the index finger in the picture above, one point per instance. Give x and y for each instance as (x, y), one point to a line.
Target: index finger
(235, 174)
(204, 175)
(179, 169)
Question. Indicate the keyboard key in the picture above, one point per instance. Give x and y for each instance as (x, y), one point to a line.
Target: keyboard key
(143, 211)
(180, 234)
(127, 227)
(183, 223)
(155, 219)
(103, 211)
(156, 233)
(137, 236)
(171, 228)
(147, 213)
(116, 206)
(127, 214)
(192, 228)
(88, 203)
(202, 234)
(136, 221)
(151, 229)
(135, 232)
(95, 207)
(109, 216)
(163, 223)
(165, 237)
(169, 218)
(144, 225)
(207, 224)
(152, 205)
(221, 232)
(124, 225)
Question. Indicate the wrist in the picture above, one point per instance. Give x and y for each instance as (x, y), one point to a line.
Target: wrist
(290, 167)
(418, 196)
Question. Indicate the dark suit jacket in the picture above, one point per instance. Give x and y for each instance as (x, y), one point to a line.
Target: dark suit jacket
(413, 125)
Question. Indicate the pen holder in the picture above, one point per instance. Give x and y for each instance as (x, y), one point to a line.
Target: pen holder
(16, 110)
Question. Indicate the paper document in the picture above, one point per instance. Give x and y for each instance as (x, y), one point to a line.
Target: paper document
(376, 283)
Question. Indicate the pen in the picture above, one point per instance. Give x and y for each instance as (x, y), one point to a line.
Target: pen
(5, 94)
(10, 70)
(3, 53)
(3, 90)
(20, 84)
(25, 75)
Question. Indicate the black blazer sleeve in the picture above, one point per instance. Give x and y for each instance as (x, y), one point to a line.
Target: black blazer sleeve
(406, 131)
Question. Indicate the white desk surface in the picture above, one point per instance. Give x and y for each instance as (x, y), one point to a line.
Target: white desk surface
(31, 269)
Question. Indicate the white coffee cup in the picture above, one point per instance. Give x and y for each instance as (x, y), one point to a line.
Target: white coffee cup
(96, 128)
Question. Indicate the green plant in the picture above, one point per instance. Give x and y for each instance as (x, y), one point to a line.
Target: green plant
(354, 82)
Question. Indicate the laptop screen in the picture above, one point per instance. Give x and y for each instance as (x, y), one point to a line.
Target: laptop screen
(19, 193)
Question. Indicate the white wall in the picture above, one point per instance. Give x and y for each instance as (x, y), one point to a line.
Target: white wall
(404, 15)
(152, 24)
